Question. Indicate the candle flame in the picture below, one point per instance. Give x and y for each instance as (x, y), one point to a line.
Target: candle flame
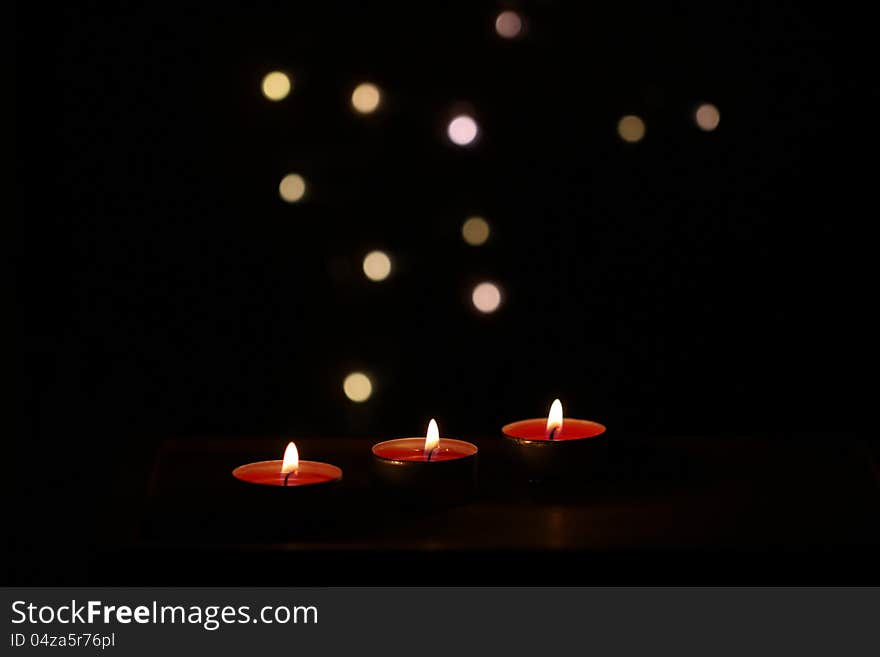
(291, 459)
(432, 439)
(554, 419)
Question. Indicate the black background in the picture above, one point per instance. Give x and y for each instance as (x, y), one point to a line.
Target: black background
(693, 283)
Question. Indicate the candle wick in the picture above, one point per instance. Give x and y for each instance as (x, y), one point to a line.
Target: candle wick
(287, 476)
(553, 433)
(430, 454)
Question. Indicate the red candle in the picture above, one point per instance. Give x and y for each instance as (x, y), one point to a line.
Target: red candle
(289, 472)
(556, 448)
(431, 449)
(554, 428)
(426, 472)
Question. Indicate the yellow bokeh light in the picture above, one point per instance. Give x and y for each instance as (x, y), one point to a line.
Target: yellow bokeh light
(292, 187)
(366, 98)
(707, 117)
(276, 85)
(486, 297)
(475, 231)
(377, 265)
(508, 24)
(357, 387)
(631, 128)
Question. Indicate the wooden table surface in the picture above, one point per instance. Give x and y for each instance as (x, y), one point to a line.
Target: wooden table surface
(701, 510)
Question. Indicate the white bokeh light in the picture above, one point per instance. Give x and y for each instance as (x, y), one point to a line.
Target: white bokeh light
(292, 188)
(508, 25)
(462, 130)
(377, 265)
(366, 98)
(357, 387)
(486, 297)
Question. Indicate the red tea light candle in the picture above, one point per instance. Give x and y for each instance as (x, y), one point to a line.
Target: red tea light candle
(555, 445)
(290, 472)
(553, 428)
(441, 469)
(430, 449)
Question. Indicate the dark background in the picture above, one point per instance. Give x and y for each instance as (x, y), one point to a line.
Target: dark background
(693, 283)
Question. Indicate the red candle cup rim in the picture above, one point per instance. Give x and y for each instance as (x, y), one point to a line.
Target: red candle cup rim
(268, 473)
(448, 449)
(533, 430)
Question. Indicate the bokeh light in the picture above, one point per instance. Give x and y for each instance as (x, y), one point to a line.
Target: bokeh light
(276, 85)
(366, 98)
(462, 130)
(508, 24)
(377, 265)
(631, 128)
(475, 231)
(486, 297)
(292, 187)
(707, 117)
(357, 387)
